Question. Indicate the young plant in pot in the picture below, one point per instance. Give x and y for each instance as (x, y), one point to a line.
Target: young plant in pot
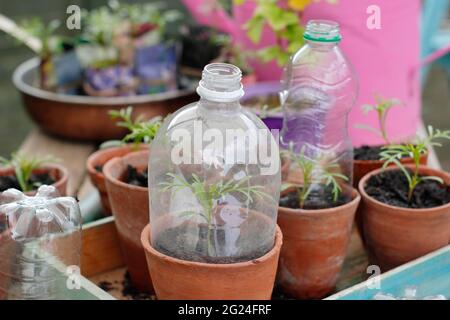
(140, 134)
(406, 207)
(107, 63)
(27, 174)
(126, 185)
(315, 214)
(49, 46)
(155, 47)
(368, 158)
(200, 47)
(212, 216)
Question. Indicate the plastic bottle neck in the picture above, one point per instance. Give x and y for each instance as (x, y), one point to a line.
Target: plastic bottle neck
(221, 82)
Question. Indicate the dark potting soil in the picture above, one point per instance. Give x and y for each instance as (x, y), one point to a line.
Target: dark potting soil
(136, 177)
(278, 294)
(129, 290)
(391, 187)
(7, 182)
(367, 153)
(106, 285)
(290, 200)
(190, 242)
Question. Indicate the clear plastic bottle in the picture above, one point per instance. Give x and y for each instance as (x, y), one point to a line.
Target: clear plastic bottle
(319, 90)
(214, 177)
(40, 240)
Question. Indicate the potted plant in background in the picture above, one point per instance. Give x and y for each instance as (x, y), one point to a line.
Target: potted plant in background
(405, 208)
(127, 192)
(108, 69)
(200, 47)
(140, 134)
(49, 46)
(368, 158)
(316, 214)
(27, 174)
(156, 49)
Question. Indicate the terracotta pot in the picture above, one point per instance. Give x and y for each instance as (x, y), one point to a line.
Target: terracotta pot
(130, 207)
(314, 249)
(395, 235)
(363, 167)
(56, 171)
(178, 279)
(86, 118)
(99, 158)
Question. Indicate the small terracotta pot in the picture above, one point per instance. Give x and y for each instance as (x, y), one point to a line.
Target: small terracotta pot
(56, 171)
(395, 235)
(363, 167)
(314, 249)
(178, 279)
(99, 158)
(130, 207)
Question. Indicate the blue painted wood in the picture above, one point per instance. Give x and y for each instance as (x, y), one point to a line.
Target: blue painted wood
(430, 274)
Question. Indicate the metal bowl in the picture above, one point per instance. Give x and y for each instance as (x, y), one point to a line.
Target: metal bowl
(83, 117)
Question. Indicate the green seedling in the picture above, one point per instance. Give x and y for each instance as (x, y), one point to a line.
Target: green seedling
(140, 131)
(24, 167)
(393, 153)
(382, 108)
(209, 194)
(314, 171)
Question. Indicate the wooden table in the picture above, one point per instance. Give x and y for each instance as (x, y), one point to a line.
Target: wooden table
(102, 260)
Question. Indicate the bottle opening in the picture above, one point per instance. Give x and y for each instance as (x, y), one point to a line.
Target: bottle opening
(221, 82)
(322, 31)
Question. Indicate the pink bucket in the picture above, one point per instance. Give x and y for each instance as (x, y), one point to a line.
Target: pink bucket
(385, 59)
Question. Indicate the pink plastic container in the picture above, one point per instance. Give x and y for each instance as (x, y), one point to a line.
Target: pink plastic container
(386, 59)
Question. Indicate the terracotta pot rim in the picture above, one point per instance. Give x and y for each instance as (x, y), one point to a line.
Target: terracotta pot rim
(109, 177)
(400, 210)
(380, 162)
(145, 239)
(356, 197)
(47, 167)
(91, 160)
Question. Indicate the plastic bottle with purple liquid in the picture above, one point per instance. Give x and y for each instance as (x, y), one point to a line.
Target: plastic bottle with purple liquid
(319, 88)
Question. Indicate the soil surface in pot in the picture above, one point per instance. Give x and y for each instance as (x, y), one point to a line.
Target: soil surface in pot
(291, 200)
(136, 177)
(391, 187)
(36, 180)
(189, 241)
(367, 153)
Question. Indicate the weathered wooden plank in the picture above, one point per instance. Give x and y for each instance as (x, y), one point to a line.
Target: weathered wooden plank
(72, 155)
(101, 247)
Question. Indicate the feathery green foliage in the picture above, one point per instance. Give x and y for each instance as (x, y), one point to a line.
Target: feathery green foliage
(24, 167)
(393, 153)
(314, 171)
(382, 108)
(140, 131)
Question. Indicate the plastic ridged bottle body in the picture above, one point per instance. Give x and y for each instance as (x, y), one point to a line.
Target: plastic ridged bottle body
(319, 91)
